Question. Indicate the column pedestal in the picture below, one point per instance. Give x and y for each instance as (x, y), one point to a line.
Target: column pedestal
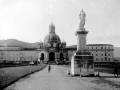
(82, 60)
(82, 64)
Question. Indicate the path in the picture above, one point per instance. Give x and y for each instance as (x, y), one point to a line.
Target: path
(58, 80)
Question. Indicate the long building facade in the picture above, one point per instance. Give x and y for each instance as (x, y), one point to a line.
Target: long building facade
(16, 54)
(103, 53)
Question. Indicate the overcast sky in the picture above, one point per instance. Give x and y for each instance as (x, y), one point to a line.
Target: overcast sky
(29, 20)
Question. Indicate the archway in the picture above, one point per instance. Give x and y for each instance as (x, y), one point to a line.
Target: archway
(51, 56)
(42, 56)
(61, 56)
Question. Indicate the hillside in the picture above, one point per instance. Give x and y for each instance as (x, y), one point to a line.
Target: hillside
(14, 42)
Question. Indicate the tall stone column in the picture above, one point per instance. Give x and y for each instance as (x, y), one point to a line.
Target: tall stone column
(81, 39)
(81, 32)
(82, 60)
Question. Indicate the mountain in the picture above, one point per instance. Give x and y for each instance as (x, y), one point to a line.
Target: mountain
(14, 42)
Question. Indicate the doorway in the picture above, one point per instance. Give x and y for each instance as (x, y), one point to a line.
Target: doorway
(51, 56)
(42, 56)
(61, 56)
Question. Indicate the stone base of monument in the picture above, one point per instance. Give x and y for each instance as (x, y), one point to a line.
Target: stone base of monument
(82, 64)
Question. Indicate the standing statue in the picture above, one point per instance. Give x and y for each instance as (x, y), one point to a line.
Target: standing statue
(82, 16)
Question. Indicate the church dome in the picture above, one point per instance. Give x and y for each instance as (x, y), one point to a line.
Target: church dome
(52, 37)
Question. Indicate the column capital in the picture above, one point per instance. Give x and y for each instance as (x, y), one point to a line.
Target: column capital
(81, 32)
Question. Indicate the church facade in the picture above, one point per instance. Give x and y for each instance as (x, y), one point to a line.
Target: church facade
(52, 49)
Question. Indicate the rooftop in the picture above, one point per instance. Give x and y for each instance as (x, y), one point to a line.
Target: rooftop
(75, 46)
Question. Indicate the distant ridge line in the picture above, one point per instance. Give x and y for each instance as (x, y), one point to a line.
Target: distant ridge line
(17, 43)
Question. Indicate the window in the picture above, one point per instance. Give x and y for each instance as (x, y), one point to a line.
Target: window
(1, 54)
(96, 59)
(92, 47)
(96, 54)
(109, 54)
(105, 54)
(101, 59)
(101, 47)
(96, 47)
(102, 54)
(105, 58)
(109, 59)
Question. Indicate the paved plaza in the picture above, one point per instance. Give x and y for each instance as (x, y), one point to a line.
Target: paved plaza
(57, 79)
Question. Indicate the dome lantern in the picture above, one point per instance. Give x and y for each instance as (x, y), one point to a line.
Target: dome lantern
(52, 37)
(52, 28)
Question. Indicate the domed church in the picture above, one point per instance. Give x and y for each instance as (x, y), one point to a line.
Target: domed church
(52, 50)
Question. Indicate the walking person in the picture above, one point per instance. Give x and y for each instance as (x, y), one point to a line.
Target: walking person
(49, 68)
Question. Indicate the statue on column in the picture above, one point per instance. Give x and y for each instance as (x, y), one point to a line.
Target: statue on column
(82, 16)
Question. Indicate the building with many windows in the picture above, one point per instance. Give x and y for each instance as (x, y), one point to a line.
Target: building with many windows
(18, 54)
(103, 53)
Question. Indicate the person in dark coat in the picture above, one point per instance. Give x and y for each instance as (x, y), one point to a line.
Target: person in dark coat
(49, 68)
(116, 70)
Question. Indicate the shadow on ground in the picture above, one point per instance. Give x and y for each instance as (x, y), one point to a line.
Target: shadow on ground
(103, 81)
(109, 77)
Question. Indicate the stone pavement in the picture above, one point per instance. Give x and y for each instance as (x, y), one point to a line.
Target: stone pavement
(57, 79)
